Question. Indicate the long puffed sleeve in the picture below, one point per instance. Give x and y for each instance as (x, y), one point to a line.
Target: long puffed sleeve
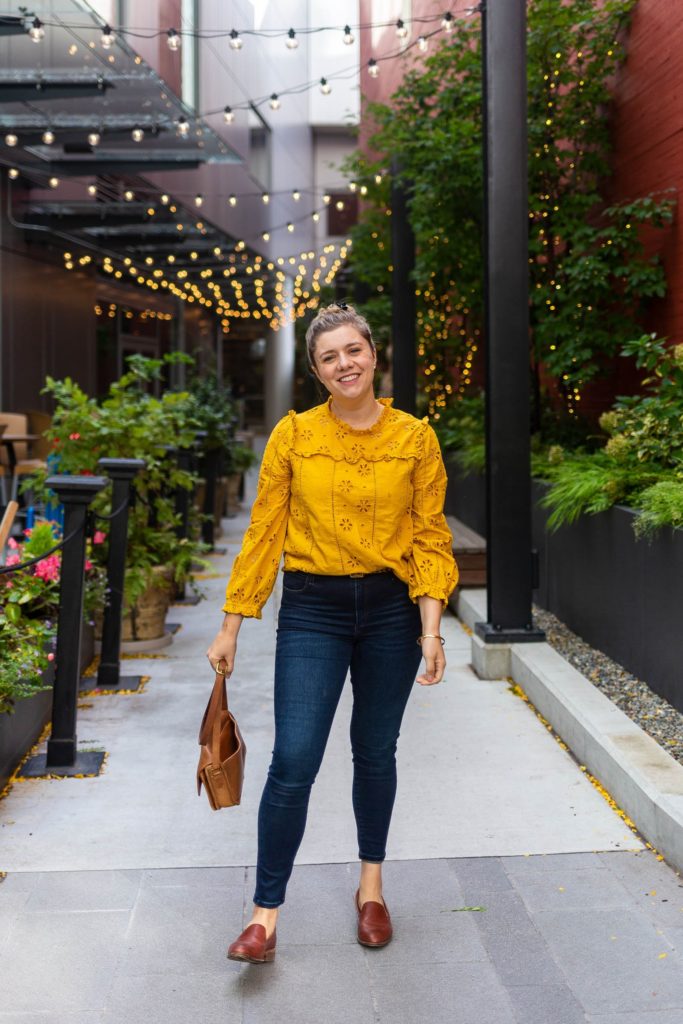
(432, 568)
(255, 568)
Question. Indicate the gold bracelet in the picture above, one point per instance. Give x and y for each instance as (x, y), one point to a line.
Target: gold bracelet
(430, 636)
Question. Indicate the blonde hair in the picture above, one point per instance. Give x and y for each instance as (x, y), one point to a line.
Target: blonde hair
(331, 317)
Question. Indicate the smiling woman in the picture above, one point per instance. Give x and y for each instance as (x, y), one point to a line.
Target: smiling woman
(352, 491)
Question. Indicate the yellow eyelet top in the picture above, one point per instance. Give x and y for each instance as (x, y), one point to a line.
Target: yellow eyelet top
(339, 500)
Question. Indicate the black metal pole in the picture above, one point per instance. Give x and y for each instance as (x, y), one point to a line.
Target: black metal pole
(403, 310)
(121, 473)
(508, 475)
(209, 472)
(185, 458)
(75, 493)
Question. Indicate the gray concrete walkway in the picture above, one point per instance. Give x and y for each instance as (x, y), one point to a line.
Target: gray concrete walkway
(518, 894)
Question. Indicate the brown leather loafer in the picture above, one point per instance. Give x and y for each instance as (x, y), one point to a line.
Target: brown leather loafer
(374, 923)
(252, 946)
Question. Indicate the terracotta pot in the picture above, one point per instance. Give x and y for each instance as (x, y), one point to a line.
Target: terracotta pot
(146, 619)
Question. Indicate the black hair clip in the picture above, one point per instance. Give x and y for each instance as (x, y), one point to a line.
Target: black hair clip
(343, 305)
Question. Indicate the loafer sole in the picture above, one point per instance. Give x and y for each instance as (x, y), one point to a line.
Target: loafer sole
(246, 959)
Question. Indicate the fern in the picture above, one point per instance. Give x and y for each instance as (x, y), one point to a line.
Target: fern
(660, 505)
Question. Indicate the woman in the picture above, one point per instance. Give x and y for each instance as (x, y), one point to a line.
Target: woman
(353, 491)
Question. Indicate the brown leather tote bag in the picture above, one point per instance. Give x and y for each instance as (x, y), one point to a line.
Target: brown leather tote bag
(221, 759)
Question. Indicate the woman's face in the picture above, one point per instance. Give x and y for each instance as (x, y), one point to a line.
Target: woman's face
(345, 362)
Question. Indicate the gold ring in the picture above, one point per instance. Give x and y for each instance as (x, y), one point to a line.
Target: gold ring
(220, 671)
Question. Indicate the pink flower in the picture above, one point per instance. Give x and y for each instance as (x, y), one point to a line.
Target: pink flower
(88, 564)
(74, 437)
(50, 656)
(11, 543)
(27, 533)
(13, 560)
(99, 537)
(48, 569)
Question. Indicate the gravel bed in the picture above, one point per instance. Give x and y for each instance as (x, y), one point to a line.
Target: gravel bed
(635, 698)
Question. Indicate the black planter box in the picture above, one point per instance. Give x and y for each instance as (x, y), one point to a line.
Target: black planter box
(20, 730)
(622, 595)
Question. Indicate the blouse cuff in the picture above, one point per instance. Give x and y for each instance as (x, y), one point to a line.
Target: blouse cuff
(247, 611)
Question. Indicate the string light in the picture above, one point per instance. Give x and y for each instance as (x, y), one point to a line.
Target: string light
(290, 227)
(11, 139)
(137, 134)
(92, 190)
(36, 31)
(13, 173)
(235, 40)
(228, 115)
(274, 101)
(348, 35)
(107, 38)
(265, 198)
(401, 29)
(373, 68)
(53, 182)
(352, 186)
(291, 42)
(265, 236)
(296, 195)
(327, 199)
(129, 195)
(173, 40)
(183, 127)
(48, 137)
(325, 87)
(198, 199)
(94, 138)
(164, 197)
(423, 43)
(447, 23)
(232, 200)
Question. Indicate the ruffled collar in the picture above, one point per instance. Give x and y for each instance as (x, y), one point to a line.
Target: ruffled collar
(370, 431)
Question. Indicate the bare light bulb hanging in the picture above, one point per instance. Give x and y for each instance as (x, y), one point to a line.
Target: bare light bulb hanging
(274, 101)
(183, 127)
(291, 42)
(13, 173)
(108, 38)
(232, 200)
(228, 115)
(325, 87)
(36, 31)
(401, 29)
(423, 44)
(48, 137)
(373, 68)
(94, 138)
(235, 40)
(198, 199)
(137, 134)
(447, 22)
(53, 182)
(265, 198)
(296, 195)
(164, 198)
(348, 35)
(92, 190)
(173, 40)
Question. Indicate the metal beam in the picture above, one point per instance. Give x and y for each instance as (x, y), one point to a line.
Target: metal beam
(508, 475)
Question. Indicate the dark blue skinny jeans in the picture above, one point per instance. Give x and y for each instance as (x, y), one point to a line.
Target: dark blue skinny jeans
(328, 625)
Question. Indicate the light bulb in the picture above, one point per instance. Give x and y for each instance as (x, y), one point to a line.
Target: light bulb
(290, 227)
(265, 198)
(232, 200)
(198, 200)
(164, 198)
(183, 127)
(53, 182)
(325, 87)
(107, 38)
(348, 35)
(291, 42)
(327, 199)
(373, 68)
(48, 137)
(265, 236)
(316, 217)
(340, 204)
(401, 29)
(137, 134)
(296, 195)
(447, 22)
(235, 40)
(13, 173)
(228, 115)
(423, 43)
(352, 186)
(129, 195)
(364, 190)
(274, 101)
(36, 31)
(92, 190)
(94, 138)
(173, 40)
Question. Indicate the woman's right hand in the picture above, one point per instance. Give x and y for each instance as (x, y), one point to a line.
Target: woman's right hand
(224, 645)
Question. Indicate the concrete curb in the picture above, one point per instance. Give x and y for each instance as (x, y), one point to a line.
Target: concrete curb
(645, 781)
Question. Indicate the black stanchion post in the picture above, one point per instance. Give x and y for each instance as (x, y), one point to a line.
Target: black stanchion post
(209, 472)
(121, 473)
(75, 493)
(187, 462)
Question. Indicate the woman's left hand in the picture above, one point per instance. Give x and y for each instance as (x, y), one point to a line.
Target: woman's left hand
(435, 661)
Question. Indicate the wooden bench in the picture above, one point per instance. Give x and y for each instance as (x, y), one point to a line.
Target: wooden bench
(469, 551)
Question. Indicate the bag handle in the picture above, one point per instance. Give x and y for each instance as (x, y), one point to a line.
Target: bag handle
(211, 722)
